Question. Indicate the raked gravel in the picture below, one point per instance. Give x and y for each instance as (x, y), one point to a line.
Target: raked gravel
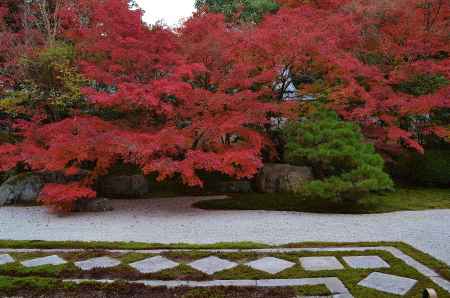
(173, 220)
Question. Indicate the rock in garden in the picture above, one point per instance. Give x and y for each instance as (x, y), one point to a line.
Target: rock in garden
(235, 187)
(123, 186)
(97, 205)
(23, 188)
(282, 178)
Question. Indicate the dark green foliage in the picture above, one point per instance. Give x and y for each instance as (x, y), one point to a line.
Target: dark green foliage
(346, 166)
(422, 85)
(124, 169)
(249, 11)
(430, 169)
(374, 58)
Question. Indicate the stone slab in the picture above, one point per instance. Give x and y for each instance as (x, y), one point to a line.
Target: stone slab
(222, 283)
(6, 259)
(320, 263)
(428, 272)
(387, 283)
(163, 283)
(333, 284)
(442, 282)
(154, 264)
(272, 283)
(101, 262)
(211, 265)
(270, 265)
(366, 262)
(50, 260)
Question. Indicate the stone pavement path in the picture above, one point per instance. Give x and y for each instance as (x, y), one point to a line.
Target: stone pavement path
(218, 262)
(174, 221)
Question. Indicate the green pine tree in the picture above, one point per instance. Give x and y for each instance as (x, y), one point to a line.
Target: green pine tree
(345, 165)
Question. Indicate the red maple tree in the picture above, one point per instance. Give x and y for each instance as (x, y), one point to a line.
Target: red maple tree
(201, 98)
(171, 123)
(381, 65)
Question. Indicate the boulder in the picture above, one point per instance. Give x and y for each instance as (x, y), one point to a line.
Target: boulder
(234, 187)
(123, 186)
(96, 205)
(282, 178)
(23, 188)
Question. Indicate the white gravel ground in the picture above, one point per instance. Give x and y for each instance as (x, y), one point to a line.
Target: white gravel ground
(174, 221)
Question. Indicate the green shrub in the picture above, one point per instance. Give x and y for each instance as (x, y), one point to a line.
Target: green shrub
(429, 169)
(251, 11)
(52, 81)
(422, 84)
(346, 166)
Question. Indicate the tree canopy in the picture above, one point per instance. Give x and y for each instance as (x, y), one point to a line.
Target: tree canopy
(239, 10)
(85, 84)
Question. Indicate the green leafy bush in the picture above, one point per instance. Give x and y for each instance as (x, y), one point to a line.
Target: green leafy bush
(250, 11)
(429, 169)
(346, 166)
(52, 81)
(422, 84)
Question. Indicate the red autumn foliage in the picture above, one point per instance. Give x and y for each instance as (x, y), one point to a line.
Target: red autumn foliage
(201, 98)
(172, 124)
(10, 37)
(364, 51)
(61, 197)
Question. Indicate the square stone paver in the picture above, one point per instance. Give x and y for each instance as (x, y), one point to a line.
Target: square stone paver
(50, 260)
(102, 262)
(6, 259)
(154, 264)
(366, 262)
(320, 263)
(391, 284)
(270, 265)
(211, 265)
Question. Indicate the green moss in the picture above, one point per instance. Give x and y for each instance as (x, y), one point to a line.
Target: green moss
(124, 245)
(8, 283)
(183, 272)
(319, 290)
(400, 200)
(133, 257)
(16, 269)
